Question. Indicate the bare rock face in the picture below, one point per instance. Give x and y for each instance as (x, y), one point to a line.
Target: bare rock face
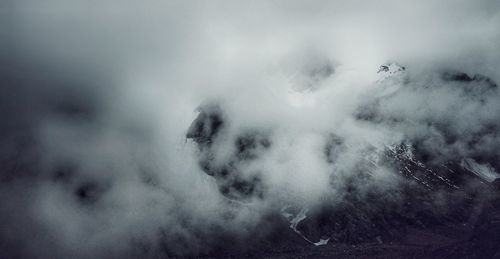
(247, 146)
(390, 68)
(206, 126)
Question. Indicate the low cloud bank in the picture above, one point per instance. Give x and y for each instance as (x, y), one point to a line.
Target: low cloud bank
(142, 129)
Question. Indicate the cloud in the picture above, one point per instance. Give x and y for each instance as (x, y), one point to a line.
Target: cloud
(97, 98)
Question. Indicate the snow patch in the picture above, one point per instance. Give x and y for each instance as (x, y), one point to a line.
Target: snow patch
(296, 219)
(484, 171)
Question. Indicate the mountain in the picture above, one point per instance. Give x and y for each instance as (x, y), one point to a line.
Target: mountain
(443, 193)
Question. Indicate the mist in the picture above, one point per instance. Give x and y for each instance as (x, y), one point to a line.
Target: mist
(98, 99)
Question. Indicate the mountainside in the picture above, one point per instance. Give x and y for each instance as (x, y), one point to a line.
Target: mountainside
(436, 197)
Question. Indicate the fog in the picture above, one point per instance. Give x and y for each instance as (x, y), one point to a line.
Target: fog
(97, 98)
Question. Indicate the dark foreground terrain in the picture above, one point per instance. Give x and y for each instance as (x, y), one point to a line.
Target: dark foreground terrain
(447, 241)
